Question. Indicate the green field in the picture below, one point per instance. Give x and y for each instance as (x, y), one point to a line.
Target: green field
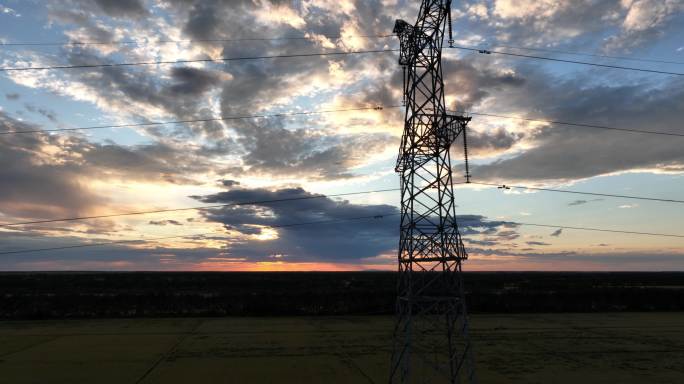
(530, 348)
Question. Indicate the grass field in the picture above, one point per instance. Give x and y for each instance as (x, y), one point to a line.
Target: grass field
(530, 348)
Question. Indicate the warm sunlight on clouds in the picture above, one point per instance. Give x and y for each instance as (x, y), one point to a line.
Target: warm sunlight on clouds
(240, 135)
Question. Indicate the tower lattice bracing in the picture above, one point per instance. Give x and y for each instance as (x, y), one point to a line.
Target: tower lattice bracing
(431, 333)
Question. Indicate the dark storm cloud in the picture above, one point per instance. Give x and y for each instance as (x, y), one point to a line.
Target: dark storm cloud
(39, 184)
(33, 187)
(181, 94)
(178, 96)
(487, 142)
(482, 243)
(230, 183)
(123, 8)
(568, 153)
(471, 81)
(192, 81)
(123, 257)
(210, 19)
(77, 11)
(334, 241)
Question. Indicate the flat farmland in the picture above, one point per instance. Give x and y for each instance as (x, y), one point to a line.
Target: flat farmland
(511, 348)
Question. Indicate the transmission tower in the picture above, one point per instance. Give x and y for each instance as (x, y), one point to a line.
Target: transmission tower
(431, 332)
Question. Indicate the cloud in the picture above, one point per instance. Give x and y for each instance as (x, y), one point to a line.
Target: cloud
(12, 96)
(580, 261)
(304, 148)
(593, 152)
(628, 206)
(339, 240)
(487, 143)
(539, 243)
(326, 147)
(645, 20)
(8, 11)
(470, 82)
(614, 25)
(49, 114)
(193, 81)
(133, 9)
(539, 22)
(230, 183)
(164, 222)
(581, 202)
(33, 184)
(314, 154)
(122, 8)
(46, 176)
(331, 241)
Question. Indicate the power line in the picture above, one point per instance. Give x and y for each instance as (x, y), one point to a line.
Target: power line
(195, 208)
(506, 186)
(592, 54)
(382, 216)
(574, 124)
(486, 51)
(222, 118)
(294, 38)
(220, 59)
(597, 229)
(137, 213)
(149, 42)
(581, 228)
(378, 107)
(191, 235)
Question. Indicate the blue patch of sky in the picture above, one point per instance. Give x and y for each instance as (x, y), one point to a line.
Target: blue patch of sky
(553, 208)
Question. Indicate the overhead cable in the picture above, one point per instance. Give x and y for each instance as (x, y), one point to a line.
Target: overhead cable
(380, 216)
(605, 127)
(215, 60)
(221, 118)
(137, 213)
(630, 58)
(489, 52)
(507, 186)
(168, 41)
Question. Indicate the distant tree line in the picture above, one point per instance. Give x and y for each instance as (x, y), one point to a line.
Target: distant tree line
(163, 294)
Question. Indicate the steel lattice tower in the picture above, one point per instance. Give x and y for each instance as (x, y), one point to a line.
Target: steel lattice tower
(431, 333)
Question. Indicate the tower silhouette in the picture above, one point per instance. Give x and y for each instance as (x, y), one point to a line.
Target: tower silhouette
(431, 342)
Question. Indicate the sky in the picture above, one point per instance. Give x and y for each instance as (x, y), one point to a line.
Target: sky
(66, 174)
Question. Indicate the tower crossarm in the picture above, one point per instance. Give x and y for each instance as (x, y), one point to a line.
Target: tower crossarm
(430, 132)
